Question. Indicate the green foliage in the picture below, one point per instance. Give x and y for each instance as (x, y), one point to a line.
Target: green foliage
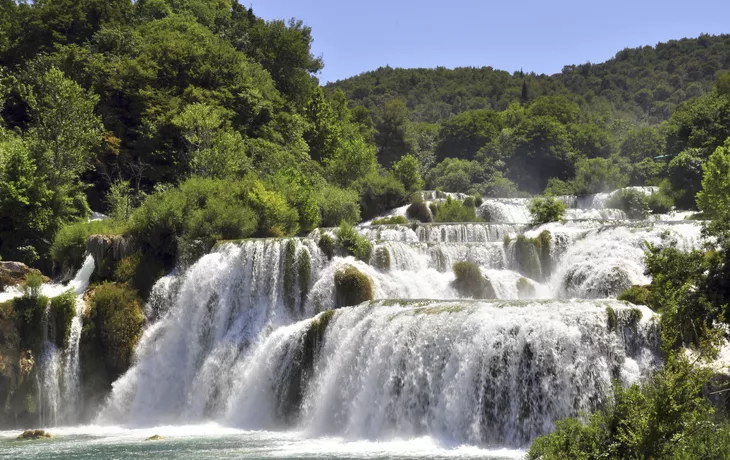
(392, 132)
(660, 202)
(381, 261)
(393, 220)
(668, 417)
(633, 202)
(62, 312)
(546, 209)
(352, 287)
(327, 245)
(408, 171)
(714, 198)
(598, 175)
(533, 255)
(685, 176)
(637, 295)
(419, 211)
(30, 309)
(114, 320)
(454, 175)
(69, 245)
(463, 135)
(338, 205)
(454, 211)
(525, 289)
(353, 243)
(470, 282)
(380, 193)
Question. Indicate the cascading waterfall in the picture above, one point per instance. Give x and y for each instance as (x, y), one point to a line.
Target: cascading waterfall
(60, 374)
(247, 336)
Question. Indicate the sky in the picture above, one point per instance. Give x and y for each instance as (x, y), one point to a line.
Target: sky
(532, 35)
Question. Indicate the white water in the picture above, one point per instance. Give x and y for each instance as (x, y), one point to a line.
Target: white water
(231, 339)
(60, 370)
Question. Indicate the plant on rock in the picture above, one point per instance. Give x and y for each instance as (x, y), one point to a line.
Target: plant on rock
(546, 209)
(352, 287)
(470, 282)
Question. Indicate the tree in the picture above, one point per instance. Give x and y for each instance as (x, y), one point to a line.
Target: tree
(715, 194)
(392, 136)
(463, 135)
(64, 127)
(323, 134)
(407, 171)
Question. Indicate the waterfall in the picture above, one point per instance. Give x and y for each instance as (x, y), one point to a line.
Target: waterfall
(60, 370)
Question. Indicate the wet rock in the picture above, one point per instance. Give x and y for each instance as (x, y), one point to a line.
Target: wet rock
(156, 437)
(34, 434)
(14, 273)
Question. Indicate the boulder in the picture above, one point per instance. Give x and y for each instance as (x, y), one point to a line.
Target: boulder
(156, 437)
(14, 274)
(34, 434)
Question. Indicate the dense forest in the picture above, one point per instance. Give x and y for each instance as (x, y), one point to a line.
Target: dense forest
(188, 122)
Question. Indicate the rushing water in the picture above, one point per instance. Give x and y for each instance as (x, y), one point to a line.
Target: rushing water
(245, 341)
(60, 374)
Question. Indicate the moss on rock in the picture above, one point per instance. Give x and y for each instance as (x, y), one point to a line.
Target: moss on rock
(352, 287)
(418, 210)
(393, 220)
(327, 245)
(34, 435)
(62, 312)
(525, 289)
(470, 282)
(304, 272)
(382, 258)
(290, 259)
(637, 295)
(532, 255)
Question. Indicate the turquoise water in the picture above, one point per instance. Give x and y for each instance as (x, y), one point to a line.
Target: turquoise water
(215, 442)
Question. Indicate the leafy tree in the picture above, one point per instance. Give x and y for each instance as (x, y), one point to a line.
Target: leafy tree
(392, 136)
(643, 143)
(597, 175)
(407, 171)
(546, 209)
(64, 127)
(715, 194)
(463, 135)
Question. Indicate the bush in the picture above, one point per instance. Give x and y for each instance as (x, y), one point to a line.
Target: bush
(394, 220)
(660, 202)
(632, 202)
(382, 258)
(30, 308)
(185, 222)
(714, 198)
(62, 312)
(352, 287)
(637, 295)
(471, 283)
(597, 175)
(338, 205)
(115, 319)
(353, 243)
(454, 211)
(327, 245)
(546, 209)
(379, 194)
(419, 211)
(532, 255)
(408, 171)
(557, 187)
(667, 418)
(69, 244)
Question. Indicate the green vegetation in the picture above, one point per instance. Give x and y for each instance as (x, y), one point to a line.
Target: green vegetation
(714, 198)
(470, 282)
(62, 312)
(353, 243)
(668, 417)
(546, 209)
(394, 220)
(633, 202)
(637, 295)
(112, 326)
(352, 287)
(381, 261)
(525, 289)
(327, 245)
(533, 255)
(30, 309)
(419, 211)
(454, 211)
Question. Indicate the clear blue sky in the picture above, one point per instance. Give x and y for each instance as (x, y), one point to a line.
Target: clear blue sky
(535, 35)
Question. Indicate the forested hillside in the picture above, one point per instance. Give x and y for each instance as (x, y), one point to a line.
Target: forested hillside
(644, 84)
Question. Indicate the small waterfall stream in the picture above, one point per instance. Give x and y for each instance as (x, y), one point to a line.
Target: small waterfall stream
(60, 374)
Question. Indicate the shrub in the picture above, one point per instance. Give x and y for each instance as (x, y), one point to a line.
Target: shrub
(352, 287)
(660, 202)
(115, 319)
(185, 222)
(126, 268)
(557, 187)
(546, 209)
(454, 211)
(327, 245)
(382, 258)
(419, 211)
(470, 282)
(394, 220)
(62, 312)
(69, 244)
(597, 175)
(338, 205)
(353, 243)
(408, 171)
(30, 308)
(632, 202)
(532, 255)
(637, 295)
(380, 193)
(666, 418)
(714, 198)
